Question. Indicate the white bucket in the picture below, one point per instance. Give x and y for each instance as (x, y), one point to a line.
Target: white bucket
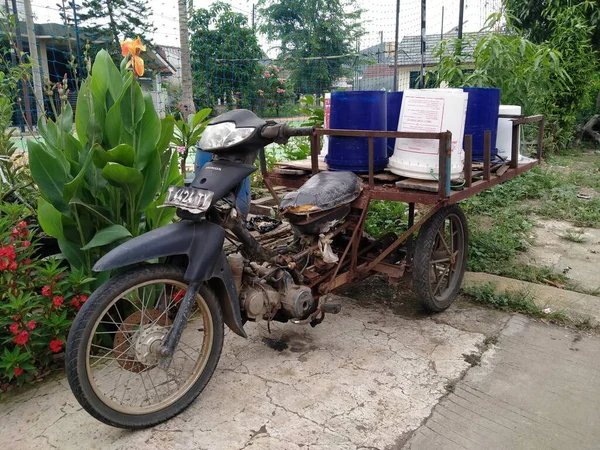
(505, 127)
(430, 111)
(326, 114)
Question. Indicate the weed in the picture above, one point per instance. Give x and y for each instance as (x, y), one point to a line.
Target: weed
(513, 301)
(573, 235)
(385, 217)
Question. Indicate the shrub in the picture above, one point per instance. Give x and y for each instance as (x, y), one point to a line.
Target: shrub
(106, 183)
(38, 300)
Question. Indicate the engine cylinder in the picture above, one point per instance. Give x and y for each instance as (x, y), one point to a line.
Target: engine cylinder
(298, 302)
(259, 301)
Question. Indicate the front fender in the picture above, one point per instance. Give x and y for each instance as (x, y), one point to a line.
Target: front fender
(202, 242)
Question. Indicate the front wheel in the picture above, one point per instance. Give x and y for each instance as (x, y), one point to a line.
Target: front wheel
(441, 258)
(112, 349)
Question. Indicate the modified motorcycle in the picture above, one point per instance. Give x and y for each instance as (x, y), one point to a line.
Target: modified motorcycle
(147, 342)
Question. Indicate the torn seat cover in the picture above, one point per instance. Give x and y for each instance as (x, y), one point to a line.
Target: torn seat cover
(322, 192)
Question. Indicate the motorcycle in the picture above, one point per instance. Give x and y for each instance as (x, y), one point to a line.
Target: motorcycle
(146, 343)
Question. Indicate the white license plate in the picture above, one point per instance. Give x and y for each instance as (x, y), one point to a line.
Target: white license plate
(193, 200)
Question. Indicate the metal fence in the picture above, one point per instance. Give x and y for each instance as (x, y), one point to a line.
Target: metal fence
(393, 52)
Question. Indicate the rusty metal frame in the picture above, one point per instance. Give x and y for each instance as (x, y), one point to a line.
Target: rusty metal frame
(342, 275)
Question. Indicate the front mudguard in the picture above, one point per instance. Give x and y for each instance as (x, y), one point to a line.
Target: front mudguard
(202, 242)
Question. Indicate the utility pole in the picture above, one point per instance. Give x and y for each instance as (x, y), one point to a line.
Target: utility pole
(423, 42)
(396, 45)
(442, 29)
(461, 14)
(35, 62)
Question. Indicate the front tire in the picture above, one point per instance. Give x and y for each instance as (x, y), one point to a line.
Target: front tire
(111, 354)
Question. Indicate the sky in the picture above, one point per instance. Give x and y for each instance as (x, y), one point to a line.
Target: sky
(379, 17)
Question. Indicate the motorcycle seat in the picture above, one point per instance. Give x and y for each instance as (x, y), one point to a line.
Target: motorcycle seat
(322, 192)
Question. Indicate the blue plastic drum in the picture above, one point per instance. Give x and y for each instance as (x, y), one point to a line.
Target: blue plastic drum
(357, 110)
(394, 102)
(244, 196)
(482, 115)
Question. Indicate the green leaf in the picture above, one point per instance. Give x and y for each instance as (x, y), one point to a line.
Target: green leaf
(123, 177)
(159, 217)
(113, 125)
(71, 188)
(122, 154)
(166, 133)
(49, 175)
(199, 117)
(173, 176)
(72, 253)
(50, 219)
(82, 111)
(107, 236)
(132, 106)
(151, 183)
(98, 211)
(99, 83)
(148, 133)
(65, 120)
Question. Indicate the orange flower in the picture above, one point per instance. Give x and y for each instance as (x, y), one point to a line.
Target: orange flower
(133, 48)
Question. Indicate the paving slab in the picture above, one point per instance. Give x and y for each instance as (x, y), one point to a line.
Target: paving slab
(365, 378)
(537, 388)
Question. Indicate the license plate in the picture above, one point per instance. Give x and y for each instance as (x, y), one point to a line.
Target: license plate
(193, 200)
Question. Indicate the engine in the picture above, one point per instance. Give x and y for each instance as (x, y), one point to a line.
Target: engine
(269, 292)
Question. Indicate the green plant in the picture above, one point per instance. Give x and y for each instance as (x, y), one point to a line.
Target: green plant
(188, 133)
(386, 217)
(106, 183)
(273, 91)
(513, 301)
(314, 112)
(38, 299)
(577, 236)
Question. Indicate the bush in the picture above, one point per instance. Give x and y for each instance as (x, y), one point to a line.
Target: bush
(38, 300)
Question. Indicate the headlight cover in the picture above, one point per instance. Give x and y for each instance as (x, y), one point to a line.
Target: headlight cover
(223, 135)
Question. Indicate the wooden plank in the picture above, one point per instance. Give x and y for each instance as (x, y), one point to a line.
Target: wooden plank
(419, 185)
(384, 176)
(502, 170)
(304, 164)
(286, 171)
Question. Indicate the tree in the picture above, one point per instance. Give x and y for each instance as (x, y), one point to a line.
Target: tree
(117, 20)
(309, 29)
(225, 57)
(187, 100)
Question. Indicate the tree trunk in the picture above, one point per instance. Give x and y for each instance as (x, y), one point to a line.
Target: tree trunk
(113, 27)
(187, 95)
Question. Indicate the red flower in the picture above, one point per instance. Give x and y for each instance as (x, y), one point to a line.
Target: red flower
(15, 318)
(27, 262)
(57, 301)
(31, 325)
(178, 295)
(7, 257)
(14, 328)
(75, 302)
(25, 244)
(55, 345)
(83, 298)
(47, 291)
(18, 371)
(21, 338)
(13, 266)
(22, 224)
(15, 232)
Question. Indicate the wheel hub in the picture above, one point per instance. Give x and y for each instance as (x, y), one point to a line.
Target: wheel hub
(147, 343)
(138, 339)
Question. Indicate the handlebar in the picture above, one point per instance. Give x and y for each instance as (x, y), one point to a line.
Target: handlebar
(281, 132)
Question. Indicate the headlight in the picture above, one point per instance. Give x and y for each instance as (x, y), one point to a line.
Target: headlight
(223, 135)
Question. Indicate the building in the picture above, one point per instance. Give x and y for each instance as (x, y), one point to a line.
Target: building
(380, 74)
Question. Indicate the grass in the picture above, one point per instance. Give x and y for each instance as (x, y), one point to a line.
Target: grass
(517, 301)
(574, 235)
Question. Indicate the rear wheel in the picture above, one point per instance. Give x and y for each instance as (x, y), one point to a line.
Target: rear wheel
(441, 258)
(112, 350)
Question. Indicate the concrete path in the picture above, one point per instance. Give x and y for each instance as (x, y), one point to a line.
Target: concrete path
(368, 378)
(537, 388)
(579, 307)
(362, 379)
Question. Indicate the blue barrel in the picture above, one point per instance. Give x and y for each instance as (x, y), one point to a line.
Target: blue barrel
(482, 115)
(357, 110)
(243, 200)
(394, 101)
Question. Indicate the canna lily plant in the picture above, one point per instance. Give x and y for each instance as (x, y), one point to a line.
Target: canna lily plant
(104, 182)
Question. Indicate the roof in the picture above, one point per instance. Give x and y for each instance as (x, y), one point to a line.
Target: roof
(409, 49)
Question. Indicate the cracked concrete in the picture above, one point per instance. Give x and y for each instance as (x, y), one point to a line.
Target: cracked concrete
(362, 380)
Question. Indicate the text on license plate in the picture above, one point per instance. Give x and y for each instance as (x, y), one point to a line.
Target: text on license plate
(193, 200)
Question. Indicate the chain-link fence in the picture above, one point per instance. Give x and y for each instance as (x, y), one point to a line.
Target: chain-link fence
(234, 63)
